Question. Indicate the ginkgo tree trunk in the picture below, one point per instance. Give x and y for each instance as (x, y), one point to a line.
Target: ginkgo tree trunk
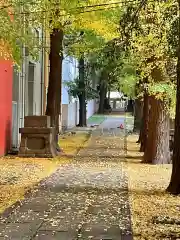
(157, 144)
(102, 91)
(144, 124)
(174, 185)
(82, 93)
(53, 108)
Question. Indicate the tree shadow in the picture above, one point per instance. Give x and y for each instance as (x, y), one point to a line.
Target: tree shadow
(138, 158)
(75, 189)
(149, 192)
(104, 158)
(104, 148)
(133, 150)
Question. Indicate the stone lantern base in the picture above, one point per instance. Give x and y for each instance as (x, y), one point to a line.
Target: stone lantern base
(37, 138)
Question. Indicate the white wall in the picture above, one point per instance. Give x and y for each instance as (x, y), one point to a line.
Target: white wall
(69, 73)
(91, 108)
(73, 114)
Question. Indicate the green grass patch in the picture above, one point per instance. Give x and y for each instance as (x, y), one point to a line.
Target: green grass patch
(96, 119)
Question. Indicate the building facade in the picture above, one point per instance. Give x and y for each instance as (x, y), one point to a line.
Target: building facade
(6, 75)
(29, 88)
(27, 94)
(70, 105)
(24, 92)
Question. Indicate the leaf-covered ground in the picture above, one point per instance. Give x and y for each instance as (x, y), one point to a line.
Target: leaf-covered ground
(17, 175)
(84, 199)
(100, 167)
(155, 214)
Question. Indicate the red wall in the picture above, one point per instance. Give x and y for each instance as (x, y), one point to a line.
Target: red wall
(6, 77)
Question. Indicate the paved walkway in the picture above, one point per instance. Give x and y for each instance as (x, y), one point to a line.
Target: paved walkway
(86, 199)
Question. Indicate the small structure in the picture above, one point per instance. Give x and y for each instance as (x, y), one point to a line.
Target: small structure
(37, 137)
(117, 101)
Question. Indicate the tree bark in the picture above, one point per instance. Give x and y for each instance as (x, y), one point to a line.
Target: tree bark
(82, 95)
(53, 108)
(130, 107)
(138, 114)
(174, 185)
(144, 124)
(102, 96)
(157, 147)
(109, 95)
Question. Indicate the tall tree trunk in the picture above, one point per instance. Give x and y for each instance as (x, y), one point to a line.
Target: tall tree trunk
(130, 106)
(144, 125)
(109, 95)
(157, 147)
(82, 95)
(82, 112)
(138, 114)
(53, 108)
(174, 185)
(102, 96)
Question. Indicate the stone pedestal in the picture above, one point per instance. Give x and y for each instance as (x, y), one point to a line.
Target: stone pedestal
(37, 138)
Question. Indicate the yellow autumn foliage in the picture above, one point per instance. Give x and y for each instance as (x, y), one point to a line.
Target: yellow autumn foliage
(71, 15)
(5, 51)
